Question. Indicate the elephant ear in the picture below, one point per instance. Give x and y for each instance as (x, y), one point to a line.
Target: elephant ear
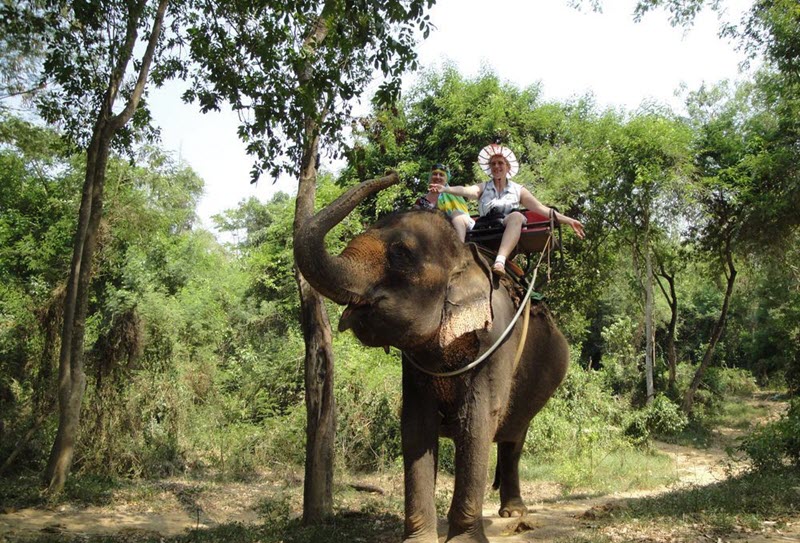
(468, 301)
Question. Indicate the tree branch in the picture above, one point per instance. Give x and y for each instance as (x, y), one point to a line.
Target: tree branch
(125, 53)
(125, 115)
(22, 92)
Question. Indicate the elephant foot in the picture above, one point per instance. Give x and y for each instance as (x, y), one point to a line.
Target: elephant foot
(514, 507)
(472, 533)
(422, 537)
(478, 537)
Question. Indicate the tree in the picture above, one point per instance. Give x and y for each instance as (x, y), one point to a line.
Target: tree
(721, 187)
(90, 53)
(21, 54)
(750, 195)
(649, 160)
(291, 69)
(671, 258)
(769, 31)
(739, 188)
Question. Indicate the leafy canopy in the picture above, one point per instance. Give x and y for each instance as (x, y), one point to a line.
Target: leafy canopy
(280, 63)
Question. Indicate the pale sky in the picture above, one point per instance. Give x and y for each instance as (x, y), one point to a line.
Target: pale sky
(569, 52)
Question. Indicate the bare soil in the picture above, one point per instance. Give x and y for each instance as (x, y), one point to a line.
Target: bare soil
(173, 506)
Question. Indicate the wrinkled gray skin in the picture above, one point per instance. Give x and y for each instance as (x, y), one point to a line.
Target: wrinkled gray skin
(408, 282)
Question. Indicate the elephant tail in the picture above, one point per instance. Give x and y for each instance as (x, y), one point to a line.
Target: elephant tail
(496, 483)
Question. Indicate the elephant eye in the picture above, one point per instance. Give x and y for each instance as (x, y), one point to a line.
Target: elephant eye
(401, 258)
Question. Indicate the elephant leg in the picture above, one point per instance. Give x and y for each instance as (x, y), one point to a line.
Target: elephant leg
(472, 461)
(420, 421)
(508, 454)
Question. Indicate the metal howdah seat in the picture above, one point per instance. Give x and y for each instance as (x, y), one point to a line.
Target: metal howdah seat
(532, 239)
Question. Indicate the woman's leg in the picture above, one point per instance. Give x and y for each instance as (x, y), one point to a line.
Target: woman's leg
(513, 226)
(462, 223)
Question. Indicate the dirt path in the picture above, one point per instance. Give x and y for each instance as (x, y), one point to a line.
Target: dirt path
(555, 518)
(172, 507)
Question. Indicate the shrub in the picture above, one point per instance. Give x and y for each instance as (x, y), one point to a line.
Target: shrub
(620, 371)
(581, 415)
(771, 445)
(368, 400)
(661, 418)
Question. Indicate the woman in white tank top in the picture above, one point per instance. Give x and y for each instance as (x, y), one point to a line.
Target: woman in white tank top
(504, 197)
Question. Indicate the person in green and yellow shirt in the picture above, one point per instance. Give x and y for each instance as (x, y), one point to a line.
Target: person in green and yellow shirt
(454, 206)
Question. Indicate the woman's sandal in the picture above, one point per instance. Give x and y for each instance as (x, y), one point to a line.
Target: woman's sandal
(499, 269)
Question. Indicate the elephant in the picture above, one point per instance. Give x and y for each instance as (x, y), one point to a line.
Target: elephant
(408, 282)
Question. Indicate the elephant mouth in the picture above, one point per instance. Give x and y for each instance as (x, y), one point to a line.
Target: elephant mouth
(353, 314)
(361, 317)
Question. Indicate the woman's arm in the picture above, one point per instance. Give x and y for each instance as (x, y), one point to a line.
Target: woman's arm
(529, 201)
(471, 193)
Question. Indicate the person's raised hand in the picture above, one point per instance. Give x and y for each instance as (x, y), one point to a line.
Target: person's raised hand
(577, 227)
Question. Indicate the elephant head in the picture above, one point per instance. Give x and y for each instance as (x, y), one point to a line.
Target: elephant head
(407, 280)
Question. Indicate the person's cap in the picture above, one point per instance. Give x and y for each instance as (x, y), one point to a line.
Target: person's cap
(439, 167)
(494, 149)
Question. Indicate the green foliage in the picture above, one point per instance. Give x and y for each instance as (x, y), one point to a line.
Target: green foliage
(660, 418)
(368, 403)
(303, 60)
(770, 446)
(582, 417)
(620, 364)
(78, 52)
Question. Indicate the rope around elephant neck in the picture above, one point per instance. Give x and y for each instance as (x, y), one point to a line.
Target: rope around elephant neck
(502, 337)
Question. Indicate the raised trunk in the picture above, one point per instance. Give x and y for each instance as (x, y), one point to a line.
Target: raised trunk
(333, 276)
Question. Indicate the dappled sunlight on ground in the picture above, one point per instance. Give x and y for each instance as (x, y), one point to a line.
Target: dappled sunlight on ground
(171, 507)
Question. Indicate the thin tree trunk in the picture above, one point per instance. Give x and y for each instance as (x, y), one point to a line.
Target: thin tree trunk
(672, 300)
(646, 281)
(37, 423)
(688, 398)
(649, 309)
(648, 325)
(72, 378)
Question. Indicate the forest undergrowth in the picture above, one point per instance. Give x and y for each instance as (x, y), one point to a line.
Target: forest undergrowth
(697, 484)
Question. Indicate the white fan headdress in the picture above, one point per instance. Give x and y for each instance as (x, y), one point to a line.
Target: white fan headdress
(494, 149)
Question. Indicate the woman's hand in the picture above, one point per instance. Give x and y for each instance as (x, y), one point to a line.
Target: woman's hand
(576, 226)
(437, 188)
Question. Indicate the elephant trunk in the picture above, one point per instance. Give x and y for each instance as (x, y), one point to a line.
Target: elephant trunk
(335, 277)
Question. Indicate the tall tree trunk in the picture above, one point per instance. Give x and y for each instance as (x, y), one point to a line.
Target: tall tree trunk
(320, 406)
(650, 348)
(672, 300)
(71, 375)
(646, 279)
(320, 403)
(688, 398)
